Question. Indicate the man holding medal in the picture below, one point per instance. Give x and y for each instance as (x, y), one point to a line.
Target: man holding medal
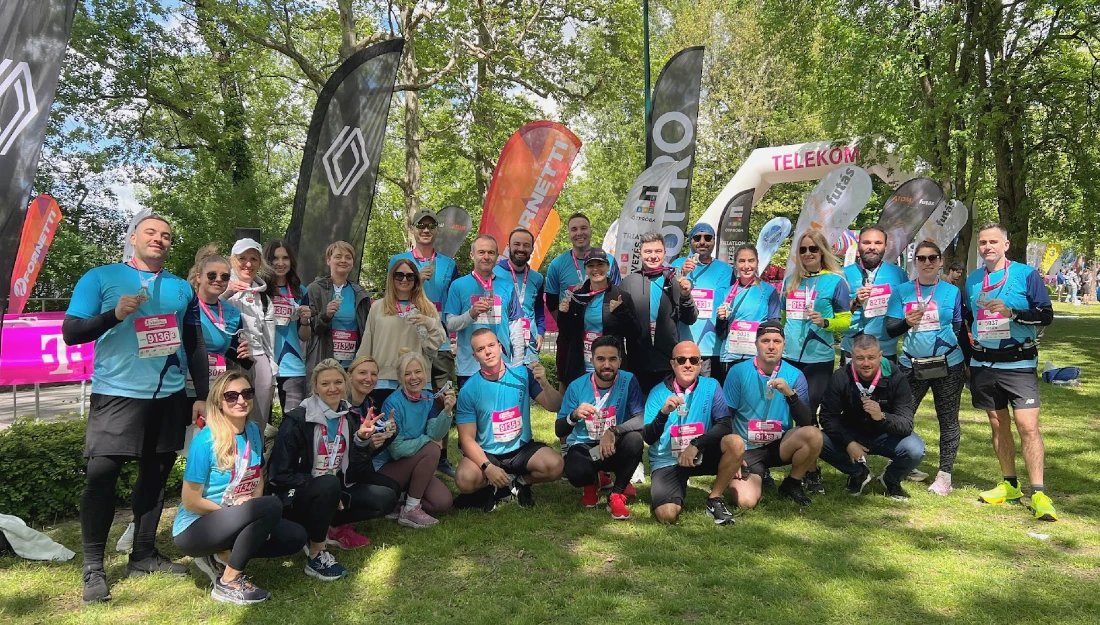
(602, 415)
(867, 411)
(1005, 303)
(140, 316)
(872, 281)
(528, 285)
(709, 278)
(771, 413)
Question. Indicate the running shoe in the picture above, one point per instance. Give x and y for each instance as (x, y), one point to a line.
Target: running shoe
(446, 468)
(396, 513)
(605, 481)
(239, 591)
(893, 491)
(716, 509)
(95, 586)
(630, 491)
(812, 482)
(859, 481)
(942, 485)
(1042, 507)
(126, 541)
(590, 496)
(639, 475)
(792, 489)
(324, 567)
(210, 566)
(916, 475)
(768, 480)
(345, 537)
(1001, 493)
(524, 496)
(616, 505)
(155, 563)
(416, 518)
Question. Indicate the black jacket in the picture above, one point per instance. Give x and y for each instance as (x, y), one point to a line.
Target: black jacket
(620, 322)
(842, 415)
(291, 463)
(675, 308)
(320, 343)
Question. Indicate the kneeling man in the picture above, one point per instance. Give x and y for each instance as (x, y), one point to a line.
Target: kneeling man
(771, 413)
(689, 432)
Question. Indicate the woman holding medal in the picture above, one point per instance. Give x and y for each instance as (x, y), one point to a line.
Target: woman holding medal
(338, 310)
(321, 466)
(423, 420)
(221, 322)
(247, 292)
(291, 323)
(748, 303)
(224, 519)
(928, 312)
(404, 319)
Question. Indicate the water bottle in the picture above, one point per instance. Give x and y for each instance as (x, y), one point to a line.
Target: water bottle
(421, 331)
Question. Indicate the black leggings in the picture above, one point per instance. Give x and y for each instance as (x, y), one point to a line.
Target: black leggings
(817, 379)
(581, 470)
(291, 392)
(316, 504)
(253, 529)
(946, 394)
(97, 504)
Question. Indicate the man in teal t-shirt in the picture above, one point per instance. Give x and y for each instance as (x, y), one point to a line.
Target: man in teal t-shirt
(871, 281)
(709, 278)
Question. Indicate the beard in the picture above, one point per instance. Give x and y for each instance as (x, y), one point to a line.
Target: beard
(519, 259)
(870, 259)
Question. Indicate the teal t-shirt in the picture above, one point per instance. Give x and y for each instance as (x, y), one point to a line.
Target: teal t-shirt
(202, 468)
(806, 342)
(871, 317)
(708, 284)
(1020, 288)
(288, 347)
(934, 335)
(345, 321)
(749, 307)
(216, 339)
(619, 403)
(705, 406)
(501, 409)
(758, 419)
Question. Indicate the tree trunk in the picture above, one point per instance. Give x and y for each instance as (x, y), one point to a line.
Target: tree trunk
(483, 121)
(347, 29)
(410, 75)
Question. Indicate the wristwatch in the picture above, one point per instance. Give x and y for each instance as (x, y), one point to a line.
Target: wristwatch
(485, 465)
(826, 323)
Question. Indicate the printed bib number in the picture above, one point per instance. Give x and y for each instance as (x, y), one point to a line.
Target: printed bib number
(526, 330)
(799, 303)
(491, 316)
(157, 336)
(704, 301)
(589, 338)
(284, 309)
(992, 326)
(682, 435)
(600, 423)
(930, 320)
(877, 302)
(343, 344)
(762, 432)
(215, 366)
(742, 338)
(321, 464)
(242, 492)
(507, 425)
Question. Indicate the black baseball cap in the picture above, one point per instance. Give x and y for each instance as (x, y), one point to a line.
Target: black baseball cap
(596, 255)
(769, 326)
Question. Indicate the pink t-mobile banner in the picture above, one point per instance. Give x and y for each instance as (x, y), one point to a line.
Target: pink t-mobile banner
(34, 352)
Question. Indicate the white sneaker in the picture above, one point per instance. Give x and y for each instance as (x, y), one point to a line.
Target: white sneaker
(639, 475)
(125, 542)
(942, 485)
(916, 475)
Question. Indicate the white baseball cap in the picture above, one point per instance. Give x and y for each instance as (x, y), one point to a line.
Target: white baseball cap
(246, 244)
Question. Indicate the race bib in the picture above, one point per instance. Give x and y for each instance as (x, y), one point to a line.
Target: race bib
(742, 338)
(682, 435)
(491, 316)
(877, 302)
(704, 301)
(930, 320)
(343, 344)
(526, 330)
(600, 423)
(243, 490)
(652, 331)
(507, 425)
(157, 336)
(799, 303)
(215, 365)
(589, 338)
(992, 326)
(322, 465)
(762, 432)
(284, 309)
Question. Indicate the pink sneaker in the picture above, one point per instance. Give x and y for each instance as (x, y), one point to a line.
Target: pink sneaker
(396, 514)
(416, 518)
(345, 537)
(942, 485)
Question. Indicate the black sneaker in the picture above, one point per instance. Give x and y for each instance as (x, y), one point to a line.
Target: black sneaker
(238, 591)
(95, 586)
(524, 496)
(155, 563)
(812, 482)
(893, 491)
(716, 509)
(503, 494)
(769, 481)
(792, 489)
(446, 468)
(856, 483)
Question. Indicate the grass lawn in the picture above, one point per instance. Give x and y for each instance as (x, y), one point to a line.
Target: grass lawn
(842, 560)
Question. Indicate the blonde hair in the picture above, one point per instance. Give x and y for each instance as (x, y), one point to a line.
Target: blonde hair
(207, 255)
(418, 298)
(328, 364)
(222, 431)
(263, 270)
(406, 357)
(828, 261)
(362, 360)
(339, 245)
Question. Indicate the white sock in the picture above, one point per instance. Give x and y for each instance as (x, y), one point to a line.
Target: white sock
(411, 502)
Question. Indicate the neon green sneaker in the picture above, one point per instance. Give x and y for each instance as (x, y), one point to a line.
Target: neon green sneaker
(1043, 508)
(1001, 493)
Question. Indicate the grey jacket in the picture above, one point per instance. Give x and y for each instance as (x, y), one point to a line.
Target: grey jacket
(320, 343)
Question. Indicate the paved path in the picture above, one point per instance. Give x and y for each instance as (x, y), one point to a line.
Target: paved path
(53, 402)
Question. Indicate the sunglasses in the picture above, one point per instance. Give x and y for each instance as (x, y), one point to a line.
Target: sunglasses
(703, 237)
(428, 225)
(813, 249)
(213, 275)
(683, 360)
(231, 397)
(931, 258)
(401, 276)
